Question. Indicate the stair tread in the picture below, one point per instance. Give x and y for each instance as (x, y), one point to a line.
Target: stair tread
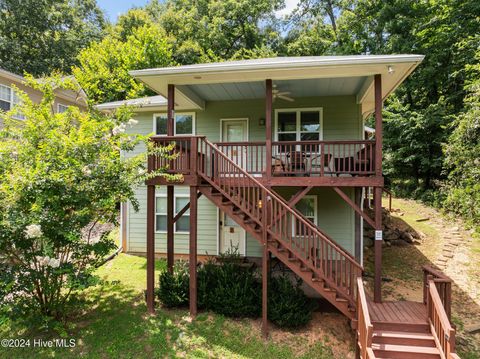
(404, 348)
(397, 334)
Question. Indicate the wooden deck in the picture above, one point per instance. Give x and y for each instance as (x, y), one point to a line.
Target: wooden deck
(404, 312)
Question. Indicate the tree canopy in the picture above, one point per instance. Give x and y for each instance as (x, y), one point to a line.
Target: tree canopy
(38, 37)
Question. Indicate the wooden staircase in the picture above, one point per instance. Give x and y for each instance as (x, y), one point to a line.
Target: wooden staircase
(384, 330)
(299, 244)
(403, 329)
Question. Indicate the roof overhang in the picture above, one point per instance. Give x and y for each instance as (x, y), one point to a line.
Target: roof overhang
(393, 68)
(152, 103)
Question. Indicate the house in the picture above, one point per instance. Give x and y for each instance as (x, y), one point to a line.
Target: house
(276, 162)
(8, 97)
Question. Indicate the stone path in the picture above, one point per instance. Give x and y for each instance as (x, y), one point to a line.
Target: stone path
(451, 238)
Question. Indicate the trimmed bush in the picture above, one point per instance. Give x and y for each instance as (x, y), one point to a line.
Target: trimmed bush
(288, 306)
(236, 293)
(174, 287)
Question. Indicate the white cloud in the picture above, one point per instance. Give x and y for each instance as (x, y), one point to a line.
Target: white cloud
(289, 6)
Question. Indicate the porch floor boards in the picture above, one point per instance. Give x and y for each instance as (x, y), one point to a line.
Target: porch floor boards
(402, 312)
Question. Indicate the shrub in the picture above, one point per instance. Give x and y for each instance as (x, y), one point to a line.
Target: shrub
(60, 176)
(207, 279)
(288, 306)
(236, 293)
(173, 290)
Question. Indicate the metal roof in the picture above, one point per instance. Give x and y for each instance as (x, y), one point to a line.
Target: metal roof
(144, 102)
(280, 63)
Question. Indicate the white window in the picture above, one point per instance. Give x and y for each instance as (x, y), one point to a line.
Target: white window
(61, 108)
(8, 99)
(184, 124)
(299, 124)
(308, 207)
(182, 225)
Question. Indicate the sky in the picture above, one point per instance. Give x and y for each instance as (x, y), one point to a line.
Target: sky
(113, 8)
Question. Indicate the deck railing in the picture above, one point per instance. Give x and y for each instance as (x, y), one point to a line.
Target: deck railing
(440, 326)
(444, 288)
(364, 325)
(305, 158)
(437, 296)
(294, 158)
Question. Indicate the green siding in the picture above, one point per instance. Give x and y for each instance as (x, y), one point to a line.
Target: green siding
(341, 121)
(334, 216)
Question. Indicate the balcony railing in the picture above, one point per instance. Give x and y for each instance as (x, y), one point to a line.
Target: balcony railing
(292, 158)
(305, 158)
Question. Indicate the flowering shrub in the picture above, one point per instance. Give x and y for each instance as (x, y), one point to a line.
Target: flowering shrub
(61, 176)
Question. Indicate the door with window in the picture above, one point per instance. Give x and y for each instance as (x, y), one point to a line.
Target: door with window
(236, 130)
(232, 236)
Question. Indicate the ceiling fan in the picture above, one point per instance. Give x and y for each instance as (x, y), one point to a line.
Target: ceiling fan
(283, 95)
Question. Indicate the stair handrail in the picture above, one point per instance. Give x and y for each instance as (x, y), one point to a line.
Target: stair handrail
(278, 198)
(364, 324)
(443, 284)
(442, 331)
(255, 214)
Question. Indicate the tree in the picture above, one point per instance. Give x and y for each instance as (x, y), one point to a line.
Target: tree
(103, 67)
(38, 37)
(462, 160)
(209, 30)
(61, 175)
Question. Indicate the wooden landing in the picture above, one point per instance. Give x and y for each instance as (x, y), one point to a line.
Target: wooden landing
(403, 312)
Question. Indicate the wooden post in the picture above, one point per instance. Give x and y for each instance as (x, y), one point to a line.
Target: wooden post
(268, 127)
(151, 248)
(193, 251)
(377, 292)
(265, 267)
(170, 189)
(170, 110)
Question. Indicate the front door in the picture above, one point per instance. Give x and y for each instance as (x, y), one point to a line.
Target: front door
(232, 236)
(236, 130)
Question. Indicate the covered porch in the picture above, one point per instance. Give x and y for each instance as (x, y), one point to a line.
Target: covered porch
(297, 149)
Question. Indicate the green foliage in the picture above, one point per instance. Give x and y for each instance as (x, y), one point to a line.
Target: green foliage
(234, 290)
(41, 36)
(104, 66)
(173, 288)
(288, 306)
(209, 30)
(413, 144)
(463, 161)
(60, 176)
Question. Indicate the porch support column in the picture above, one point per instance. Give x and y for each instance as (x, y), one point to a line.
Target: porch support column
(377, 293)
(265, 266)
(193, 251)
(170, 189)
(151, 248)
(268, 127)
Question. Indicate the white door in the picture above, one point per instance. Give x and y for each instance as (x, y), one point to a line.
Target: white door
(236, 130)
(233, 236)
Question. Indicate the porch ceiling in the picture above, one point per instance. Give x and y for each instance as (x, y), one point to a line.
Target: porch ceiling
(296, 88)
(302, 76)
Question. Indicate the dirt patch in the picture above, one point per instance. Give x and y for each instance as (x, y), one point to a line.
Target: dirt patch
(331, 329)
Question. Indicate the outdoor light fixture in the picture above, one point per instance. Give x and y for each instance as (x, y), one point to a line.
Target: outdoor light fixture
(261, 122)
(391, 70)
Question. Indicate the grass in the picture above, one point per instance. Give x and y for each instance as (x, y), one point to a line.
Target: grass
(112, 322)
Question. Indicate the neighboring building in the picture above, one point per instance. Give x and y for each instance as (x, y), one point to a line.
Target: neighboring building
(8, 97)
(276, 162)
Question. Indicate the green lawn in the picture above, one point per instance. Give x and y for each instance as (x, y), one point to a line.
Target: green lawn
(112, 323)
